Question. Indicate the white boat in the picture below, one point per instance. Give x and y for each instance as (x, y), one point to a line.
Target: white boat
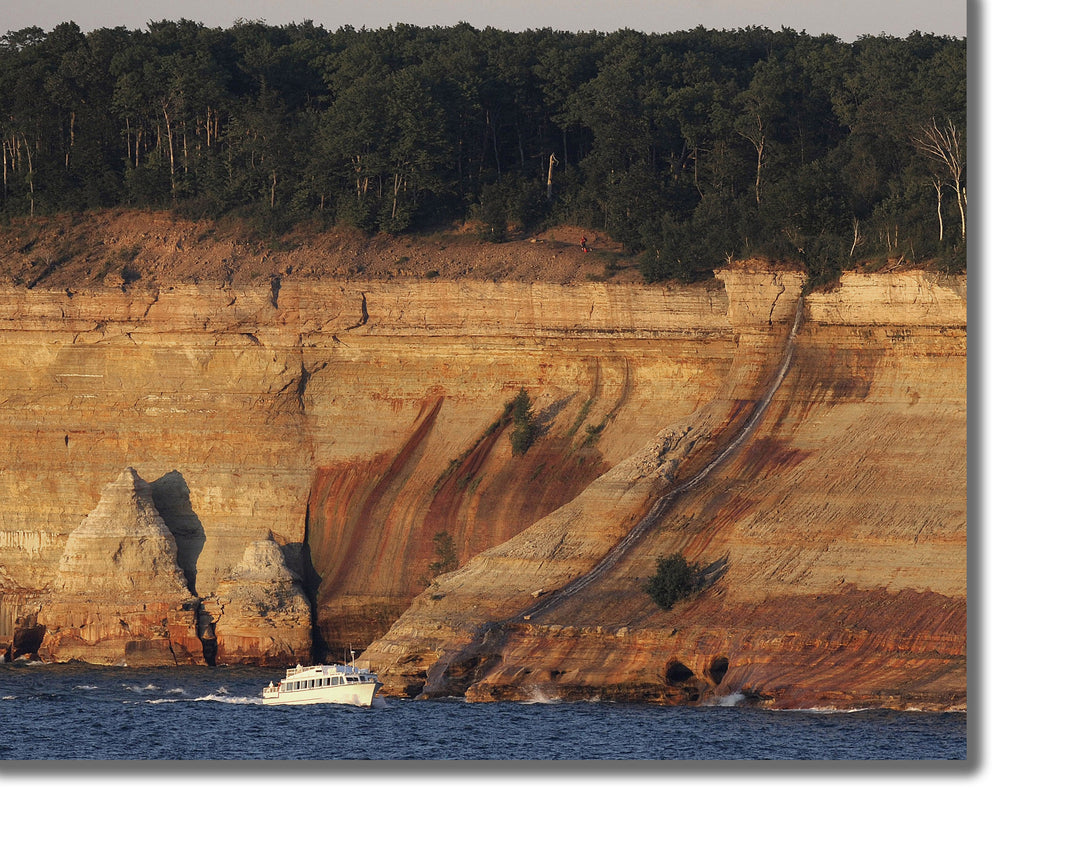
(337, 684)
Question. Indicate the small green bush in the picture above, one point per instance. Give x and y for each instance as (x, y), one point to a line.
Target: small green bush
(674, 580)
(525, 427)
(446, 552)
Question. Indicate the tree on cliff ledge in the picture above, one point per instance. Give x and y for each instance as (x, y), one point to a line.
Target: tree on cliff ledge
(674, 580)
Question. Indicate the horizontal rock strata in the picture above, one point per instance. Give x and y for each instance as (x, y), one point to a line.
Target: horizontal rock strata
(118, 595)
(364, 422)
(833, 544)
(259, 612)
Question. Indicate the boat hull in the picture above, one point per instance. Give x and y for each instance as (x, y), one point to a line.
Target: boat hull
(360, 695)
(325, 684)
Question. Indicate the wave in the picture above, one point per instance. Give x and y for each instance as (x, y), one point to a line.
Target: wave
(212, 697)
(139, 689)
(231, 700)
(538, 697)
(730, 700)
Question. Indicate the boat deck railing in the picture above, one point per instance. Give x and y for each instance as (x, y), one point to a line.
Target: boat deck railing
(337, 669)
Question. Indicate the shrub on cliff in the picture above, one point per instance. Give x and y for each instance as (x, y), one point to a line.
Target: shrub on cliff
(446, 554)
(525, 427)
(674, 580)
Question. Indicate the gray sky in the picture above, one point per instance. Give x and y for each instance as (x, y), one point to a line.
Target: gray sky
(847, 19)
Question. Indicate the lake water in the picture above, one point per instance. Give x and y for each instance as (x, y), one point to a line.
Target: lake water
(75, 711)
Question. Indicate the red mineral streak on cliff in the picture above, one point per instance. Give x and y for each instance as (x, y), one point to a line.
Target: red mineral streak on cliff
(834, 543)
(361, 414)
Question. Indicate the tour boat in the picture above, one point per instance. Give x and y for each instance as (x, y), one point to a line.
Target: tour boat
(337, 684)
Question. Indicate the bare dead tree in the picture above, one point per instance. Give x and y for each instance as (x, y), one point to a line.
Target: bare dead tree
(755, 134)
(945, 147)
(938, 184)
(857, 236)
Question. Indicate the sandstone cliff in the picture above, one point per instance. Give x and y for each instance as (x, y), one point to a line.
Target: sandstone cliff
(258, 613)
(354, 404)
(118, 595)
(833, 540)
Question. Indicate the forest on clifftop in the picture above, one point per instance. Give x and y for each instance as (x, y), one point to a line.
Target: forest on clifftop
(690, 148)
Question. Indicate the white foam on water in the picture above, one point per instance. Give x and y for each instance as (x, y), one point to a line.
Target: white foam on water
(226, 699)
(730, 700)
(538, 697)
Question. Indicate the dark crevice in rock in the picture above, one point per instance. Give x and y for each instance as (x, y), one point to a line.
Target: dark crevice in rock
(677, 673)
(206, 631)
(172, 500)
(718, 669)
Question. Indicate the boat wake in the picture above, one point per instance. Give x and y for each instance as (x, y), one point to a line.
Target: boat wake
(229, 700)
(222, 698)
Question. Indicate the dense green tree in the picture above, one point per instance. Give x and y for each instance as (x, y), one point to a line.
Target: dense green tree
(691, 148)
(673, 580)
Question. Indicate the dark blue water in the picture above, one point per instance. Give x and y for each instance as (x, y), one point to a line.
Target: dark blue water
(73, 711)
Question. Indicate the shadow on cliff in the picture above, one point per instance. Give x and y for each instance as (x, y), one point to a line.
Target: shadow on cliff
(172, 499)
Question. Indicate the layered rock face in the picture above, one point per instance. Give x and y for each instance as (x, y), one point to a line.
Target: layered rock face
(121, 595)
(118, 595)
(355, 419)
(362, 419)
(832, 542)
(258, 613)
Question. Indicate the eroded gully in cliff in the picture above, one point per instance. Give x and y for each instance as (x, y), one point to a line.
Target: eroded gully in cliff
(661, 505)
(494, 632)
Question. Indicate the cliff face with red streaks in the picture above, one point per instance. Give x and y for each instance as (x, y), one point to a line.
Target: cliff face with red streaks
(832, 540)
(351, 399)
